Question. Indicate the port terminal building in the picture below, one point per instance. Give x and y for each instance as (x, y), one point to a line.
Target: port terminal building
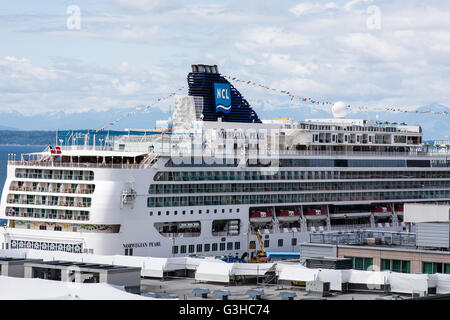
(426, 251)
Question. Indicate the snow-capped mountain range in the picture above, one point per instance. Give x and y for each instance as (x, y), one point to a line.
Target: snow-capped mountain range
(435, 126)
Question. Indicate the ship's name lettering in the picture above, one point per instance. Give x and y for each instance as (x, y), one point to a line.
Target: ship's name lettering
(142, 244)
(240, 134)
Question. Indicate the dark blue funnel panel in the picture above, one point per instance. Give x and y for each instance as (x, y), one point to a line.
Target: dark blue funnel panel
(201, 84)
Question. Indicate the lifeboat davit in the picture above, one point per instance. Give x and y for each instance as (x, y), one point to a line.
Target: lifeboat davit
(314, 212)
(260, 216)
(288, 215)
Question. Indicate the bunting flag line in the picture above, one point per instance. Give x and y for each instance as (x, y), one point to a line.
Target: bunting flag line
(292, 96)
(328, 103)
(139, 109)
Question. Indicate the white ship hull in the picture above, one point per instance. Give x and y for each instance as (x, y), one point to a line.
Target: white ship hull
(137, 227)
(132, 198)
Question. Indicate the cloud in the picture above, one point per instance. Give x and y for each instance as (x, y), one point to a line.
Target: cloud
(22, 69)
(284, 63)
(148, 5)
(367, 45)
(273, 37)
(354, 3)
(138, 33)
(308, 8)
(127, 88)
(249, 62)
(135, 51)
(74, 87)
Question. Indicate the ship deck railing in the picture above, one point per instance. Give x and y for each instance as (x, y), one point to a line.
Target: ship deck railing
(37, 163)
(443, 156)
(180, 234)
(349, 227)
(360, 237)
(394, 154)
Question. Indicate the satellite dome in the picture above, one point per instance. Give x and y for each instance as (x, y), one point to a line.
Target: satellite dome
(340, 109)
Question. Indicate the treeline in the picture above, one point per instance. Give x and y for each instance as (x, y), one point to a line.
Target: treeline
(27, 137)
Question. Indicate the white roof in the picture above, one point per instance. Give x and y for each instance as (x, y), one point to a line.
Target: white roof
(358, 122)
(100, 153)
(425, 212)
(40, 289)
(215, 271)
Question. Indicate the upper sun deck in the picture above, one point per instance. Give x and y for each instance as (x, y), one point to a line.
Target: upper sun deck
(110, 159)
(360, 125)
(281, 138)
(84, 156)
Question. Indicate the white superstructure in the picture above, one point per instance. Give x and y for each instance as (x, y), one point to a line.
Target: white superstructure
(209, 180)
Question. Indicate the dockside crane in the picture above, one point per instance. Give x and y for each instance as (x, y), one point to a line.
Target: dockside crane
(261, 254)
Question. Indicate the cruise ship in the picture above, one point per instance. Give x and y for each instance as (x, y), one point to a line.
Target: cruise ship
(210, 178)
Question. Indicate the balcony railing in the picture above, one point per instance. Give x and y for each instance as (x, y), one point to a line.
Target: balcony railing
(49, 176)
(51, 203)
(47, 216)
(366, 153)
(56, 190)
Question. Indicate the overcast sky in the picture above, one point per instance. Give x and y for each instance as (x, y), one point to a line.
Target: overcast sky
(130, 52)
